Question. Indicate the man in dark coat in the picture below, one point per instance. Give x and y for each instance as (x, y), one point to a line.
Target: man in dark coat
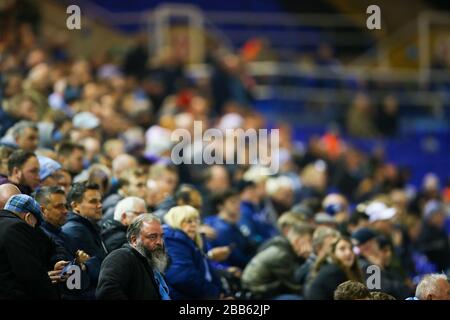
(23, 168)
(23, 257)
(271, 273)
(52, 201)
(135, 270)
(114, 231)
(81, 226)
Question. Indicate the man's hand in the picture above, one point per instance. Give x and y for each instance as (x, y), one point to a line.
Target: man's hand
(55, 276)
(82, 257)
(219, 253)
(60, 265)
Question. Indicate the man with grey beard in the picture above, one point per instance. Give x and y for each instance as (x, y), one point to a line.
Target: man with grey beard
(135, 271)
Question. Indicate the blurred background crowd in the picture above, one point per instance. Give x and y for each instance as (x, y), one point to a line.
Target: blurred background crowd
(87, 116)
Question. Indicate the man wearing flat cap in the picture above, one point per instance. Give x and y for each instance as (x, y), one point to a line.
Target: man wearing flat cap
(23, 250)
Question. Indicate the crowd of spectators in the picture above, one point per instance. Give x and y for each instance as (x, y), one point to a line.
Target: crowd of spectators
(87, 183)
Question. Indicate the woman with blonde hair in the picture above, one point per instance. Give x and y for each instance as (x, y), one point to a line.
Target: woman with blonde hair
(340, 264)
(190, 274)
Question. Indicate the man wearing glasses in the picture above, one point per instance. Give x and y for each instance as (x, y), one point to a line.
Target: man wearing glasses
(114, 232)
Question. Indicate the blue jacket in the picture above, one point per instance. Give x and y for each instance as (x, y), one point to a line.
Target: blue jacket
(255, 224)
(85, 235)
(189, 269)
(230, 235)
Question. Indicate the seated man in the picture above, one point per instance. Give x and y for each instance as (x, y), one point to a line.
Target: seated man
(271, 272)
(133, 183)
(23, 171)
(135, 270)
(227, 229)
(52, 201)
(24, 252)
(81, 227)
(114, 231)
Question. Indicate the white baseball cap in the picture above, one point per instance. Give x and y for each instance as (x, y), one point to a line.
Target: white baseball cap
(379, 211)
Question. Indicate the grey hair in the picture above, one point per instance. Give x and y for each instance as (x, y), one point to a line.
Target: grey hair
(125, 205)
(20, 127)
(321, 234)
(429, 285)
(135, 227)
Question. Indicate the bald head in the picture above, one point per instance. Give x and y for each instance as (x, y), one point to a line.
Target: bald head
(7, 190)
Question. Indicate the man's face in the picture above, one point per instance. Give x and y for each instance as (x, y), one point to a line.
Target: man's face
(28, 140)
(91, 205)
(75, 161)
(29, 174)
(137, 187)
(64, 180)
(55, 211)
(151, 236)
(231, 207)
(150, 244)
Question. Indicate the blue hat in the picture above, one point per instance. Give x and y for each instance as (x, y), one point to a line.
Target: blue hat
(363, 235)
(48, 167)
(21, 203)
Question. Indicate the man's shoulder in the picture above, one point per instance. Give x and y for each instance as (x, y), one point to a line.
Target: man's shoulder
(124, 255)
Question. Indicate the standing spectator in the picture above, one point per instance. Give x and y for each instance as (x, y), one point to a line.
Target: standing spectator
(387, 117)
(271, 273)
(190, 274)
(135, 271)
(337, 266)
(23, 171)
(114, 231)
(360, 118)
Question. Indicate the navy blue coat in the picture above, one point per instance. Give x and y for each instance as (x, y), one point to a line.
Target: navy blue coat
(85, 235)
(230, 235)
(188, 268)
(67, 252)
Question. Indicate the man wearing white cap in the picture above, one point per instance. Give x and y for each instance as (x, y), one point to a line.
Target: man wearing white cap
(380, 217)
